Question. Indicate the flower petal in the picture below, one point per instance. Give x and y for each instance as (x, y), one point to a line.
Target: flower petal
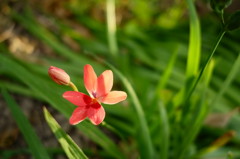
(78, 115)
(113, 97)
(90, 79)
(77, 98)
(104, 83)
(96, 114)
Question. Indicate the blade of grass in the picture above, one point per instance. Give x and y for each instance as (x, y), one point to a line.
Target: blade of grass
(194, 51)
(166, 74)
(18, 89)
(34, 143)
(111, 27)
(196, 81)
(145, 142)
(232, 74)
(164, 131)
(192, 130)
(69, 146)
(197, 115)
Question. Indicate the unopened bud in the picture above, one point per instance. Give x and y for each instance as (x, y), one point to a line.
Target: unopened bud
(59, 76)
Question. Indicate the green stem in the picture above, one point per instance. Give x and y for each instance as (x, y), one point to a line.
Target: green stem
(111, 27)
(204, 67)
(72, 85)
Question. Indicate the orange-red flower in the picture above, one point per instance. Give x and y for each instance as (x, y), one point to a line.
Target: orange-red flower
(99, 89)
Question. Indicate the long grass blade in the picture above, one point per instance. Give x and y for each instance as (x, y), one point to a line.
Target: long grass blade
(37, 149)
(69, 146)
(164, 131)
(234, 71)
(194, 51)
(111, 27)
(166, 74)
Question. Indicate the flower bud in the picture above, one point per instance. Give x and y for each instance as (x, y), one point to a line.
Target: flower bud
(59, 76)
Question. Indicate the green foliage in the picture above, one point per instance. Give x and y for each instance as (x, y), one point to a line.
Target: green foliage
(69, 146)
(36, 147)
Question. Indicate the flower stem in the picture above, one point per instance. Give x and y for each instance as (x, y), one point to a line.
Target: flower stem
(73, 86)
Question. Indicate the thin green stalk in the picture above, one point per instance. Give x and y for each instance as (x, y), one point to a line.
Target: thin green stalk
(73, 86)
(111, 27)
(190, 92)
(164, 132)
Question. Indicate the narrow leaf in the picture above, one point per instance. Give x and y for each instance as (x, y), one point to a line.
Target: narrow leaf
(194, 50)
(164, 131)
(233, 72)
(69, 146)
(34, 143)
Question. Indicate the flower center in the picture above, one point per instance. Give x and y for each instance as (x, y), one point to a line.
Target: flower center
(94, 103)
(94, 94)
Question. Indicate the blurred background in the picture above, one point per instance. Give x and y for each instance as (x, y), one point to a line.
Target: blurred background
(71, 33)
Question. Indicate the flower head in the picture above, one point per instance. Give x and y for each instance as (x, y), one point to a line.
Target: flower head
(59, 76)
(99, 89)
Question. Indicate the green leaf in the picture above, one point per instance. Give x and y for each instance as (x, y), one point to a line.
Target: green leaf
(111, 27)
(166, 74)
(34, 143)
(69, 146)
(164, 131)
(232, 74)
(194, 51)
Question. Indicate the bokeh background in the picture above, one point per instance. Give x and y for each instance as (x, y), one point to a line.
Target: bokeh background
(71, 33)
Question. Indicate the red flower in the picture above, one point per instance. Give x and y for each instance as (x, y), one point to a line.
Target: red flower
(59, 76)
(99, 89)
